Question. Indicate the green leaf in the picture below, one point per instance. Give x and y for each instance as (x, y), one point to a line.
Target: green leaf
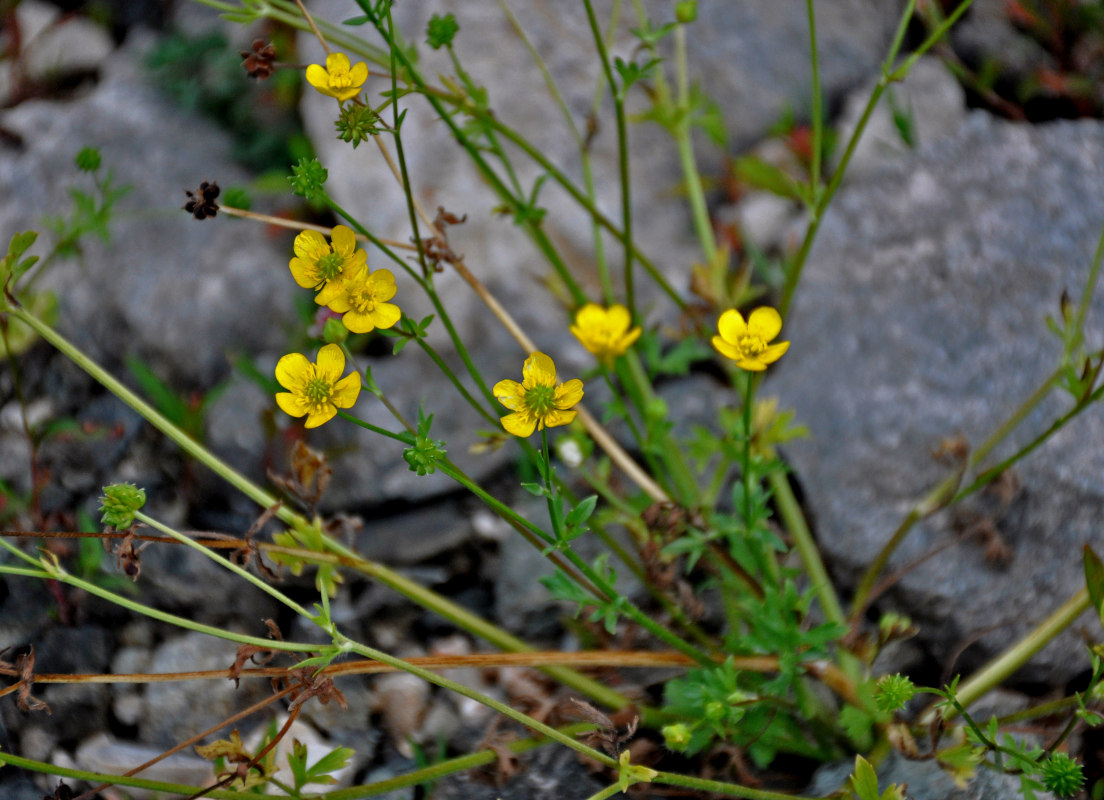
(864, 781)
(758, 173)
(1094, 580)
(535, 489)
(581, 513)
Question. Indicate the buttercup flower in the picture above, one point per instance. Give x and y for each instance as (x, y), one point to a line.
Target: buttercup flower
(538, 401)
(316, 390)
(338, 79)
(361, 296)
(317, 262)
(748, 343)
(605, 332)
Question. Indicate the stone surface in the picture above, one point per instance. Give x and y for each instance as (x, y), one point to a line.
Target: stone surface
(921, 316)
(172, 291)
(171, 712)
(929, 98)
(105, 753)
(926, 781)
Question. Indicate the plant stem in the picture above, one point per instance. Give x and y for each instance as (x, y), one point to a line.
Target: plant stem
(1000, 668)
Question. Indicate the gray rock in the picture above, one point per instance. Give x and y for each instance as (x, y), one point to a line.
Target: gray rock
(925, 781)
(921, 316)
(172, 291)
(171, 711)
(104, 753)
(930, 98)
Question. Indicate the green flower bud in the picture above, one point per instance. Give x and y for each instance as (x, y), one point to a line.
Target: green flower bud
(118, 504)
(676, 737)
(308, 178)
(424, 455)
(88, 159)
(334, 331)
(893, 691)
(714, 710)
(686, 11)
(356, 124)
(441, 30)
(1062, 775)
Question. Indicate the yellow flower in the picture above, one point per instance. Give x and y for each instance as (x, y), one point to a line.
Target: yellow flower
(605, 332)
(538, 402)
(316, 390)
(748, 344)
(362, 297)
(317, 263)
(337, 78)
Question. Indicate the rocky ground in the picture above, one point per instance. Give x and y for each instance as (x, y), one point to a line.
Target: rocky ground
(921, 318)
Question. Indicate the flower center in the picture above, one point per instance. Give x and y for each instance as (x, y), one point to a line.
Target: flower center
(752, 345)
(329, 265)
(318, 391)
(363, 299)
(541, 400)
(340, 78)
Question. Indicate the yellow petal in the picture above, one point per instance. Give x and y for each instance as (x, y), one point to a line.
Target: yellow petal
(765, 323)
(627, 340)
(774, 352)
(558, 417)
(539, 370)
(346, 391)
(618, 319)
(331, 362)
(727, 350)
(359, 73)
(329, 293)
(303, 272)
(510, 393)
(290, 404)
(323, 414)
(590, 315)
(310, 245)
(343, 240)
(337, 62)
(382, 284)
(291, 370)
(751, 364)
(318, 78)
(358, 322)
(385, 315)
(519, 424)
(731, 326)
(569, 394)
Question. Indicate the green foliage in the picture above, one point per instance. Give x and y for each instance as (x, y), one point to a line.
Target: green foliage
(118, 504)
(606, 609)
(91, 212)
(864, 784)
(320, 771)
(1094, 580)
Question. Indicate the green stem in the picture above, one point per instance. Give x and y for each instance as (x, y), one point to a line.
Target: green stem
(622, 154)
(555, 513)
(465, 691)
(158, 787)
(818, 103)
(718, 787)
(1000, 668)
(226, 564)
(695, 193)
